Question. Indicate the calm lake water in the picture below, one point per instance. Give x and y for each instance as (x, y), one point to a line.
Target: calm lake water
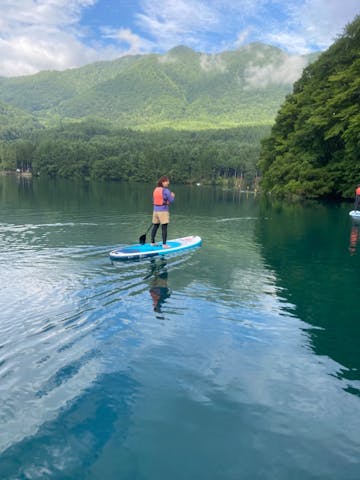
(238, 360)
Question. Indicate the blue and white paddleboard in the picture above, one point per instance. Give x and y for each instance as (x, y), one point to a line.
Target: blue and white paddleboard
(137, 251)
(355, 214)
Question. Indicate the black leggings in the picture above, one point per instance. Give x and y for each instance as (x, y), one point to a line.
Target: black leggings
(163, 231)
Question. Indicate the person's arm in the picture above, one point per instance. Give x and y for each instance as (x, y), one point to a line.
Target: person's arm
(168, 196)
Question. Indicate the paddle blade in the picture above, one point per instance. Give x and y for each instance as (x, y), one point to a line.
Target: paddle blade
(142, 239)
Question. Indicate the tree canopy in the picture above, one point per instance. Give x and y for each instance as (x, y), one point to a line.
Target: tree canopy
(98, 151)
(314, 146)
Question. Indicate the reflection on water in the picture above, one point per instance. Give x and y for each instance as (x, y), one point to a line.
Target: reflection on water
(258, 354)
(354, 238)
(308, 248)
(159, 289)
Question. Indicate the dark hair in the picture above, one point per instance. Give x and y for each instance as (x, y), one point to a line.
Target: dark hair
(162, 179)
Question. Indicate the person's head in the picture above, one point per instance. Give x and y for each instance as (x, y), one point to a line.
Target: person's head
(162, 180)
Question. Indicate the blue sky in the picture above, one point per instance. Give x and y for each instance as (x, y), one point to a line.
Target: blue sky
(40, 35)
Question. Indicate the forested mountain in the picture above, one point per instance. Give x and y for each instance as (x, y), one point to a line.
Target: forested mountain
(15, 122)
(314, 147)
(196, 117)
(181, 89)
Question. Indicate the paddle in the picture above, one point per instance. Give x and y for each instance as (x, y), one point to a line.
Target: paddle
(142, 238)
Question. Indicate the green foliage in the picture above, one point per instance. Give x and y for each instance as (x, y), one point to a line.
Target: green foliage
(14, 122)
(182, 89)
(193, 116)
(314, 146)
(109, 154)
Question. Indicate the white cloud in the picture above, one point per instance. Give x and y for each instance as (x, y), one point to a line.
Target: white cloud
(18, 13)
(242, 38)
(212, 63)
(313, 23)
(45, 35)
(323, 29)
(124, 36)
(24, 54)
(175, 22)
(48, 34)
(298, 26)
(292, 42)
(285, 72)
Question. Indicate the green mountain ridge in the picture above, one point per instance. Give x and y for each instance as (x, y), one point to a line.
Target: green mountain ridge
(181, 89)
(14, 122)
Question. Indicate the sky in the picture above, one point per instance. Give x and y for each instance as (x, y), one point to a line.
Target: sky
(38, 35)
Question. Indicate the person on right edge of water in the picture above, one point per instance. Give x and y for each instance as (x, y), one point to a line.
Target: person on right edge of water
(357, 197)
(162, 197)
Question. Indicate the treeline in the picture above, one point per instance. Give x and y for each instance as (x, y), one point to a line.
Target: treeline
(97, 151)
(314, 147)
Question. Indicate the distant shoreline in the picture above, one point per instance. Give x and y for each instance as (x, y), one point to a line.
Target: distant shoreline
(12, 172)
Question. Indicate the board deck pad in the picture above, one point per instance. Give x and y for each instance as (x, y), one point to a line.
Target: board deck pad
(147, 250)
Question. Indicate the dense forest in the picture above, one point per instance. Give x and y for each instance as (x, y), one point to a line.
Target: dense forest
(314, 146)
(96, 151)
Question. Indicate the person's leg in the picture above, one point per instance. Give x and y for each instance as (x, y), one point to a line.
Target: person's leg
(164, 219)
(153, 232)
(156, 225)
(164, 232)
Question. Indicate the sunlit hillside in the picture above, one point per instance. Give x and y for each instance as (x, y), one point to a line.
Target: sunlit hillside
(181, 89)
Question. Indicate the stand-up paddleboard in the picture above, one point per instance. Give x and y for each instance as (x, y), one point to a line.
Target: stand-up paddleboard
(137, 251)
(355, 214)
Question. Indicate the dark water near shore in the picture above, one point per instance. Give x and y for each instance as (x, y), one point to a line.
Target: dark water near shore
(239, 360)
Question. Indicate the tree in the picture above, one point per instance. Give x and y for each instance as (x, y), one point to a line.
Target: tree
(314, 146)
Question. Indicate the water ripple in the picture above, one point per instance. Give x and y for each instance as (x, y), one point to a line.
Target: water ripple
(104, 360)
(75, 301)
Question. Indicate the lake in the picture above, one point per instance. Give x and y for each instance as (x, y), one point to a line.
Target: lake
(237, 360)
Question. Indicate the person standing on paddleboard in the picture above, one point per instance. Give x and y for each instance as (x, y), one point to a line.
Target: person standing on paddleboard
(162, 197)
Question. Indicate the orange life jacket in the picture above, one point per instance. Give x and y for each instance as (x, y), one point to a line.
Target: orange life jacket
(158, 197)
(357, 191)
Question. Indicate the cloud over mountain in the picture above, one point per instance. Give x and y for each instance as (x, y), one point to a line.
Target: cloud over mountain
(40, 35)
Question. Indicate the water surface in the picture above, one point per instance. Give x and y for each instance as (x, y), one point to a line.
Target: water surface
(239, 360)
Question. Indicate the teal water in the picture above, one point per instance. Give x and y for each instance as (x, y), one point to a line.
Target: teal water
(239, 360)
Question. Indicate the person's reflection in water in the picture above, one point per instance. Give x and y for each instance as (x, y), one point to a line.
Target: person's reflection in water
(159, 289)
(354, 238)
